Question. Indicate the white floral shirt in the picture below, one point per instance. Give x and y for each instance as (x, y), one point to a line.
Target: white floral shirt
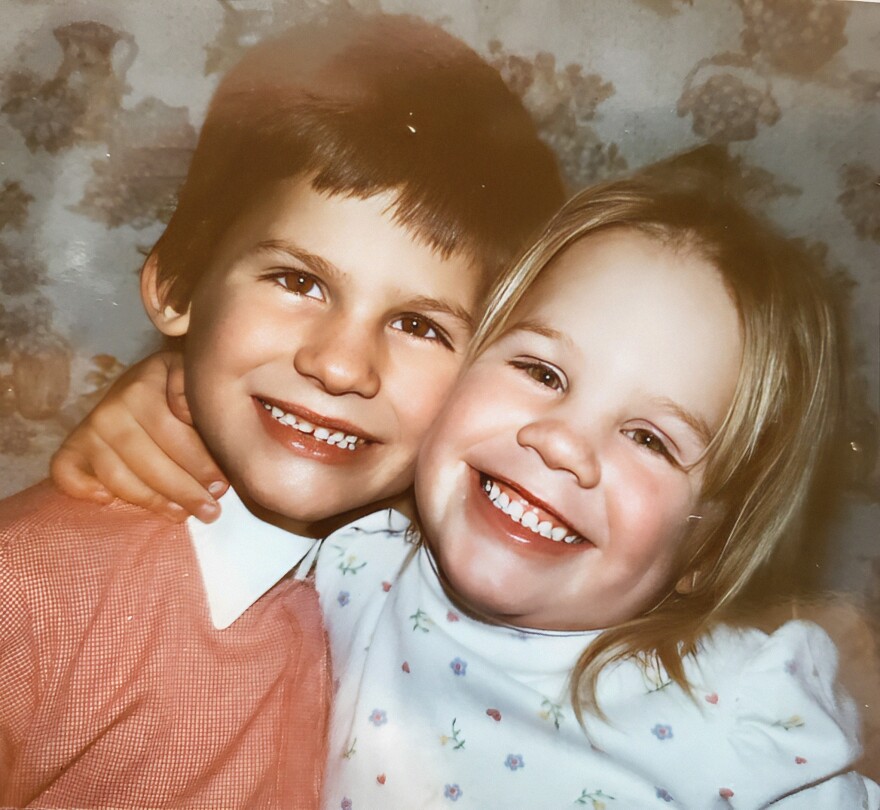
(435, 709)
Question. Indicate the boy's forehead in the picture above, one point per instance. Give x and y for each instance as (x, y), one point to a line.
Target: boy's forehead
(346, 238)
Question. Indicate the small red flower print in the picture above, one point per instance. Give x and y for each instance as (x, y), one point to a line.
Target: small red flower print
(494, 714)
(713, 698)
(405, 667)
(458, 667)
(725, 793)
(662, 731)
(800, 761)
(386, 586)
(451, 616)
(381, 778)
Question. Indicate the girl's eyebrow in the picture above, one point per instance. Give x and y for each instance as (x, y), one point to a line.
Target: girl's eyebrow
(694, 422)
(300, 255)
(539, 328)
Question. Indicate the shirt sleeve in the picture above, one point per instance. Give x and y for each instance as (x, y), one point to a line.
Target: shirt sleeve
(792, 733)
(19, 673)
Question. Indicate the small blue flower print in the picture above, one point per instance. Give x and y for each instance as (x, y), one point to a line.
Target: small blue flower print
(514, 762)
(346, 803)
(458, 666)
(791, 667)
(344, 598)
(662, 732)
(378, 717)
(663, 793)
(452, 792)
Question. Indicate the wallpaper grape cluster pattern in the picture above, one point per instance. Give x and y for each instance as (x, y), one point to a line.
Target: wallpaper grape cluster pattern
(100, 104)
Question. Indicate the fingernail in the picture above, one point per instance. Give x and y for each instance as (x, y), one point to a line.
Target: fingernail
(207, 512)
(103, 496)
(217, 487)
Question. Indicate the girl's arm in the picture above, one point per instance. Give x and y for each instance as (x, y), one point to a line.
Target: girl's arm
(138, 444)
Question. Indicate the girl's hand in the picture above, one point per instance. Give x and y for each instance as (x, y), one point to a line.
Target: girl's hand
(138, 444)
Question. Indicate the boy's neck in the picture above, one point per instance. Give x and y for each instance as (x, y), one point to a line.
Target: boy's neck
(403, 503)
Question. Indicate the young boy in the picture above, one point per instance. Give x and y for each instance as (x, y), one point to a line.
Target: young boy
(352, 194)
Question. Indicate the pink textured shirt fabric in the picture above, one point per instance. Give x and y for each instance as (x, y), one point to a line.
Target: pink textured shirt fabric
(117, 691)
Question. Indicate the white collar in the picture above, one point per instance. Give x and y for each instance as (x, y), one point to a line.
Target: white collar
(241, 557)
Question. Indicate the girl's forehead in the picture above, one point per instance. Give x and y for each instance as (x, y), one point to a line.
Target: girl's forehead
(623, 301)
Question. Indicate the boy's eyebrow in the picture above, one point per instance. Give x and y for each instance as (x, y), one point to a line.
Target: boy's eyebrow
(321, 264)
(311, 259)
(438, 305)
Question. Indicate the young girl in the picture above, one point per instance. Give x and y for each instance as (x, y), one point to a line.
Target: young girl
(636, 434)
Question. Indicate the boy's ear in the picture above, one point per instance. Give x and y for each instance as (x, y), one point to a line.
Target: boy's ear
(165, 318)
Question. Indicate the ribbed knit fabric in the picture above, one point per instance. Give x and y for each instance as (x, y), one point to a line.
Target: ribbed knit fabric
(117, 691)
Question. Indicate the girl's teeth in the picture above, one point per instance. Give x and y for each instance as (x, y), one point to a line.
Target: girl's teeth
(322, 433)
(305, 427)
(277, 412)
(528, 518)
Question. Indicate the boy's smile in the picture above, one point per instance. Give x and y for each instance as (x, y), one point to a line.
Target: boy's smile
(319, 346)
(556, 484)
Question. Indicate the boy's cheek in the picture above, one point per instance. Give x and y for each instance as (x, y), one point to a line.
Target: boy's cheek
(422, 402)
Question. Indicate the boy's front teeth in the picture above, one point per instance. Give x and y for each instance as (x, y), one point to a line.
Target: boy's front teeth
(528, 517)
(335, 438)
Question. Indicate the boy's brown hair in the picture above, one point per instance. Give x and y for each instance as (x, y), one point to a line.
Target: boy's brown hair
(367, 105)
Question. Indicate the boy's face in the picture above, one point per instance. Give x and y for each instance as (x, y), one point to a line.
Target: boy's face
(320, 344)
(556, 485)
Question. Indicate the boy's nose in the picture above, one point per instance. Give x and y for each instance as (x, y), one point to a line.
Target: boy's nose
(340, 359)
(562, 448)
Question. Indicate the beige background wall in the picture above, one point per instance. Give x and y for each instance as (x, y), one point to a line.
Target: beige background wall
(100, 103)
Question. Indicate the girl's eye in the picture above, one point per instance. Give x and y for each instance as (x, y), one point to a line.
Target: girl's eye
(300, 283)
(650, 441)
(541, 373)
(420, 327)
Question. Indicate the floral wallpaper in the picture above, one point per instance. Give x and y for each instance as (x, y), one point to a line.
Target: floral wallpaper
(100, 105)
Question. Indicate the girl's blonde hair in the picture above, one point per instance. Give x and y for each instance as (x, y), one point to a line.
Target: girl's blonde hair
(761, 462)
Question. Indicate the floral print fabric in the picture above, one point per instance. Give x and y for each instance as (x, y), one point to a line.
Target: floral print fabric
(435, 709)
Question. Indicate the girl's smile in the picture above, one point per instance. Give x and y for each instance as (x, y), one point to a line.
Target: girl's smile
(555, 487)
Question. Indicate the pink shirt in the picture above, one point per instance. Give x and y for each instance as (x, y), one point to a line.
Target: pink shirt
(116, 690)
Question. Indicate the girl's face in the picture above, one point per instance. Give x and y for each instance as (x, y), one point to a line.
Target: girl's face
(555, 487)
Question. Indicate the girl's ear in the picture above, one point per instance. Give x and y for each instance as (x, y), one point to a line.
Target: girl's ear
(165, 318)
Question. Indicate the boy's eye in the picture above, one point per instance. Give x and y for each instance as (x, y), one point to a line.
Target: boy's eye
(542, 373)
(420, 327)
(301, 283)
(650, 441)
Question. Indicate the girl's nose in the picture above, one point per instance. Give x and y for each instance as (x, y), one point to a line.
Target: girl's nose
(341, 359)
(562, 448)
